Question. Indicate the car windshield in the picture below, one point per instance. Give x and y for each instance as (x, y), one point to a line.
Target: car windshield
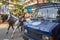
(45, 13)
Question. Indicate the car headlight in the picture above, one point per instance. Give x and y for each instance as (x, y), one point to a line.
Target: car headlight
(25, 31)
(44, 37)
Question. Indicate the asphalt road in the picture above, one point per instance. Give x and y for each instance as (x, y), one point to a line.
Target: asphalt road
(3, 36)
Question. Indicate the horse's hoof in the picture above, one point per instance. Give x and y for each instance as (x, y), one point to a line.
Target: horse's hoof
(11, 37)
(6, 33)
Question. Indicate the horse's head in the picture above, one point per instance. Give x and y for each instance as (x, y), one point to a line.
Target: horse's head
(4, 17)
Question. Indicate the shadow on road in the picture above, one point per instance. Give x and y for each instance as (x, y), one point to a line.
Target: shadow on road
(3, 36)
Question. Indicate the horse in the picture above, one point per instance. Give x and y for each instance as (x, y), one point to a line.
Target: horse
(13, 21)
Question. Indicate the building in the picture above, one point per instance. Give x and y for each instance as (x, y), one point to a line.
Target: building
(54, 1)
(41, 1)
(32, 2)
(29, 2)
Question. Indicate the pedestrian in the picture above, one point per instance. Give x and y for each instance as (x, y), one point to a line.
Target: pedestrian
(22, 19)
(5, 11)
(28, 16)
(5, 8)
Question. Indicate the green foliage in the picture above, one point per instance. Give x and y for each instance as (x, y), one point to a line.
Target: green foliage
(15, 0)
(59, 0)
(18, 6)
(49, 1)
(21, 7)
(0, 7)
(4, 2)
(18, 11)
(1, 0)
(11, 11)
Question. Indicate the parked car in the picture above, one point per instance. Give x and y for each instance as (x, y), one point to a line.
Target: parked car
(44, 24)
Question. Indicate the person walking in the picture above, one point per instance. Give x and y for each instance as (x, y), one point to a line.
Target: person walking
(22, 19)
(5, 8)
(5, 11)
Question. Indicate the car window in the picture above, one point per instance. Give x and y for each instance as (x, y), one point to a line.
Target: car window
(45, 13)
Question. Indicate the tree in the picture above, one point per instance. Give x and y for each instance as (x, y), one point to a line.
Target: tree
(4, 2)
(15, 0)
(59, 0)
(19, 8)
(49, 1)
(1, 0)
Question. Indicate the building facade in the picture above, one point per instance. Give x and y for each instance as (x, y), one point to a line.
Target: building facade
(54, 1)
(41, 1)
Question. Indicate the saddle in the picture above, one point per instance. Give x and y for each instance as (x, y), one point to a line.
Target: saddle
(11, 20)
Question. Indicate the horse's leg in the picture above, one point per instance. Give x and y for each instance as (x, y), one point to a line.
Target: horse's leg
(19, 28)
(12, 27)
(16, 26)
(8, 29)
(13, 31)
(22, 29)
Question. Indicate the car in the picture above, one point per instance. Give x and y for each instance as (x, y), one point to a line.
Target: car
(44, 24)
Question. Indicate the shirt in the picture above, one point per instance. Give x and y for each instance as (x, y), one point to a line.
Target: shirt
(5, 10)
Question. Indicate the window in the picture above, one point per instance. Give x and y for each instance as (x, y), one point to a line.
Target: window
(46, 13)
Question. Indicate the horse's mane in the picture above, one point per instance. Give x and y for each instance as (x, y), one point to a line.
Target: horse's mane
(4, 17)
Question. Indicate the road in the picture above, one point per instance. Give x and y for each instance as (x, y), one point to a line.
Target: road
(3, 36)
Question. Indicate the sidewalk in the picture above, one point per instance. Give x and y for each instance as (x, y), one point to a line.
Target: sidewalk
(3, 25)
(3, 36)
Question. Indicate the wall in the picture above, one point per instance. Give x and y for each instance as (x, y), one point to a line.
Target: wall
(41, 1)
